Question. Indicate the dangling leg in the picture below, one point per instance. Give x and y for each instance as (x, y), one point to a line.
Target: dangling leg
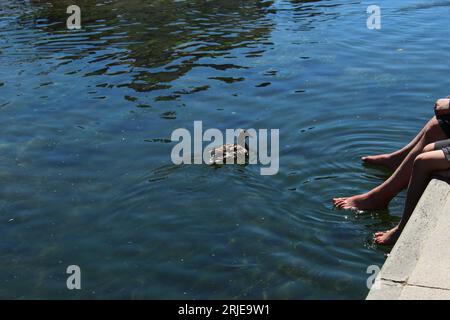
(394, 159)
(380, 196)
(424, 165)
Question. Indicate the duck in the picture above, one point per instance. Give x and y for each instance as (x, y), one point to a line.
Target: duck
(231, 152)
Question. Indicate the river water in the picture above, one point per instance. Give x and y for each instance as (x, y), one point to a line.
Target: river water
(86, 118)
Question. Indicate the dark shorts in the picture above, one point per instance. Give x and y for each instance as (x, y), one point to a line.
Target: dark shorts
(444, 121)
(444, 145)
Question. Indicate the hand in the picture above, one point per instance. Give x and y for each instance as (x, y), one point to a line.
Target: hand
(442, 107)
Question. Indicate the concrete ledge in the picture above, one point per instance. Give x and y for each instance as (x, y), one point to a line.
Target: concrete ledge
(418, 266)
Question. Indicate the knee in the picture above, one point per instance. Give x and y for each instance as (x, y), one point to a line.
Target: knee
(433, 123)
(427, 163)
(429, 147)
(432, 130)
(420, 160)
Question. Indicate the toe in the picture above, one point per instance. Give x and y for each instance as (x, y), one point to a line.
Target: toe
(341, 204)
(346, 206)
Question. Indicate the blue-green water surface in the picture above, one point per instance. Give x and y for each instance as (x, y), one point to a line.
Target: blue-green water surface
(85, 123)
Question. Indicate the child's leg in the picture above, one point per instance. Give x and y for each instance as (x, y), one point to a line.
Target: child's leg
(380, 196)
(394, 159)
(424, 165)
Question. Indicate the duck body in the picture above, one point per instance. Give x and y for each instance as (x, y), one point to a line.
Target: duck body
(228, 153)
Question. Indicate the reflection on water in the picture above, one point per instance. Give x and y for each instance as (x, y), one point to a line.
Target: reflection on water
(86, 118)
(155, 43)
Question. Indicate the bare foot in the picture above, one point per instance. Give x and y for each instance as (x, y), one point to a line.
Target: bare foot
(387, 237)
(366, 201)
(384, 160)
